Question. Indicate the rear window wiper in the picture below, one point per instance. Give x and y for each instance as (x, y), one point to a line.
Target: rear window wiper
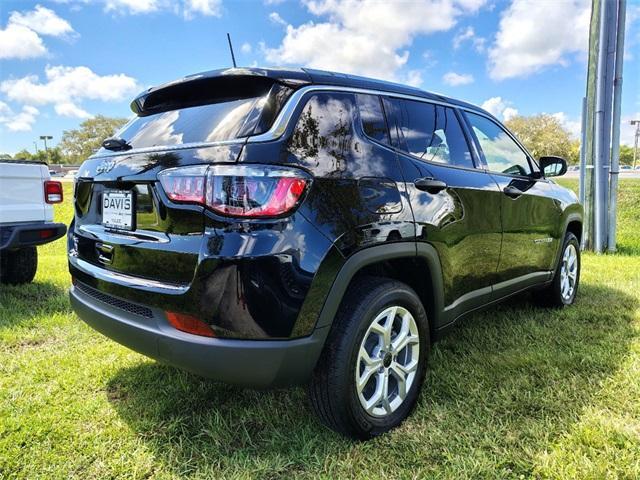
(116, 144)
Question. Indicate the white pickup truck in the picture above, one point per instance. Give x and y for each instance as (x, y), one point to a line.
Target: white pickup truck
(27, 195)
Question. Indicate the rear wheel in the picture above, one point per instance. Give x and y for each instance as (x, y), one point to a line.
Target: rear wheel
(564, 287)
(18, 266)
(368, 378)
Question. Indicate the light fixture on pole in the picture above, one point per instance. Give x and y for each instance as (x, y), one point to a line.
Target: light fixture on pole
(635, 143)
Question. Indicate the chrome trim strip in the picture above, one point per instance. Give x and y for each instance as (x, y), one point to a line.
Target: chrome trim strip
(280, 125)
(169, 148)
(128, 280)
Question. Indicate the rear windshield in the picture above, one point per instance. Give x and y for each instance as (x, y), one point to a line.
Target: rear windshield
(204, 123)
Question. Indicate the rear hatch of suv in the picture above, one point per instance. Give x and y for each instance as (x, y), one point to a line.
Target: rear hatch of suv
(124, 221)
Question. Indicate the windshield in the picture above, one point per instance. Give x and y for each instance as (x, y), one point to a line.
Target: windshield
(204, 123)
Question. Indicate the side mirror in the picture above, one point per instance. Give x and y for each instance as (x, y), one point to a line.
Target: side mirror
(553, 166)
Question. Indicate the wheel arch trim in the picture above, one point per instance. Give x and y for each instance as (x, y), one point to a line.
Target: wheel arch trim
(372, 255)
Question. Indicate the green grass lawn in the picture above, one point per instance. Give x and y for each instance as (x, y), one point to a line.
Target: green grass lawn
(515, 392)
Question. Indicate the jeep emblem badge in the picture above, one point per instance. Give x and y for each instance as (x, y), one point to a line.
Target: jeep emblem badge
(106, 166)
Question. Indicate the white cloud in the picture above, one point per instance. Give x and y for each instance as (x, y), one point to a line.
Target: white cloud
(187, 8)
(462, 36)
(499, 108)
(43, 21)
(64, 88)
(67, 83)
(277, 19)
(20, 39)
(533, 35)
(69, 109)
(454, 79)
(508, 113)
(469, 34)
(21, 122)
(365, 37)
(414, 78)
(572, 126)
(20, 42)
(132, 6)
(246, 48)
(209, 8)
(5, 112)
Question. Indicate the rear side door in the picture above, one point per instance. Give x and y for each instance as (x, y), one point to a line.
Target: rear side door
(460, 214)
(530, 214)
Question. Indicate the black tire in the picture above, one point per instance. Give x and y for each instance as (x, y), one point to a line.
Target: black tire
(552, 296)
(18, 266)
(332, 390)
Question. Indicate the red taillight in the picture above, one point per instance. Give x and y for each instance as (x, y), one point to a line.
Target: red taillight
(189, 324)
(247, 191)
(185, 184)
(46, 233)
(52, 191)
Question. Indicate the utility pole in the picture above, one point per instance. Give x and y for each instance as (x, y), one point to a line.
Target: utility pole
(615, 128)
(45, 138)
(635, 143)
(35, 144)
(601, 124)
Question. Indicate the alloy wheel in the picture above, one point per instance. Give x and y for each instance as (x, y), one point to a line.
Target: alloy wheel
(387, 361)
(568, 272)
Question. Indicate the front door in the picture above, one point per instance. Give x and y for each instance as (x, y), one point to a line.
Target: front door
(530, 214)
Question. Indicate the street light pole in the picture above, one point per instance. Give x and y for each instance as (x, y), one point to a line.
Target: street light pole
(45, 138)
(635, 143)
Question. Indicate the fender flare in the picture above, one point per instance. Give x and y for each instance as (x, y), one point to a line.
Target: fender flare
(375, 254)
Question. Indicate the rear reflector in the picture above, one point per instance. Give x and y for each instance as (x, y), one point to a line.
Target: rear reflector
(52, 191)
(248, 191)
(46, 233)
(189, 324)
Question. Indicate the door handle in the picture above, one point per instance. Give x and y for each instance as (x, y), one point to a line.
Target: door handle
(429, 184)
(511, 191)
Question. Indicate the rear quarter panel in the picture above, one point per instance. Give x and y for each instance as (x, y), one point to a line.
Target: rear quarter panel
(22, 193)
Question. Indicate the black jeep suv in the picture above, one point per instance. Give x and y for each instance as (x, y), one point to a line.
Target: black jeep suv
(270, 227)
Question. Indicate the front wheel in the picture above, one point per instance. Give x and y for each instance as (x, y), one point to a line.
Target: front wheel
(564, 287)
(369, 375)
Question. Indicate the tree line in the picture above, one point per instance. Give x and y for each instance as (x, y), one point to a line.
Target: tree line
(542, 134)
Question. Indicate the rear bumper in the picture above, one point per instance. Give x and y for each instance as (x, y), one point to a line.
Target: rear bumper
(252, 363)
(20, 235)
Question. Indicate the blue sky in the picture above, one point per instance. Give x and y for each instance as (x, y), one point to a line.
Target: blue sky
(63, 61)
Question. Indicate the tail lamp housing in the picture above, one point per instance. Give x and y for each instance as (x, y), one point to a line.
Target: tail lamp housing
(243, 191)
(53, 192)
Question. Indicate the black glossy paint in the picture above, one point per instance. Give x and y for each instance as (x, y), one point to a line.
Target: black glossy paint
(273, 279)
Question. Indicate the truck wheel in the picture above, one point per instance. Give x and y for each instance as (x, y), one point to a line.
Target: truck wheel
(564, 287)
(18, 266)
(369, 375)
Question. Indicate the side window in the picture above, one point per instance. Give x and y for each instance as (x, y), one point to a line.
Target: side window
(430, 132)
(502, 154)
(323, 136)
(374, 124)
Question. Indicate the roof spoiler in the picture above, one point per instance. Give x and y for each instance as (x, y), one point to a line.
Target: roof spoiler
(215, 86)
